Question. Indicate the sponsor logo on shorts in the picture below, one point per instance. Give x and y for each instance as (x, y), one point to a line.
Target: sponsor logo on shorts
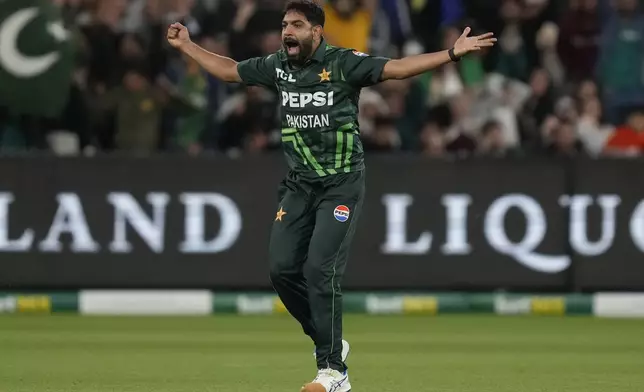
(341, 213)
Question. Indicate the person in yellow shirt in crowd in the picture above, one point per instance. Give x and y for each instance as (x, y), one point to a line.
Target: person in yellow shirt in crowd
(349, 23)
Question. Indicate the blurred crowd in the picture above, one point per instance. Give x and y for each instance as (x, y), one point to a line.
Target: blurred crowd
(566, 78)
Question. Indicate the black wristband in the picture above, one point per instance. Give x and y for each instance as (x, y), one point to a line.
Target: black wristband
(452, 55)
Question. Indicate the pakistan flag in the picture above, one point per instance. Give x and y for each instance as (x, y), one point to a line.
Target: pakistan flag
(36, 58)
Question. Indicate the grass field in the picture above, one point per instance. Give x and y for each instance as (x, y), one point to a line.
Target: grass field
(269, 354)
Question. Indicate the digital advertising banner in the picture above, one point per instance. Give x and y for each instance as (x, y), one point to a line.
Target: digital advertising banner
(179, 222)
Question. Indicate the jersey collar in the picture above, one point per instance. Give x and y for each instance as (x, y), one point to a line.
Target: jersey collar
(318, 56)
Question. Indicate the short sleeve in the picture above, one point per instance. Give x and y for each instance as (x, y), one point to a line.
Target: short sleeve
(257, 71)
(361, 69)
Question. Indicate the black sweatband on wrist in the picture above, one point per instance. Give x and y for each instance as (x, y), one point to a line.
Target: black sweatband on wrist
(452, 55)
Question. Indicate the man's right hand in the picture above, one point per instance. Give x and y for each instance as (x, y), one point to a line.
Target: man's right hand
(178, 35)
(221, 67)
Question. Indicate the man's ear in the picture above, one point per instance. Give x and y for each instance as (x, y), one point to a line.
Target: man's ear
(317, 32)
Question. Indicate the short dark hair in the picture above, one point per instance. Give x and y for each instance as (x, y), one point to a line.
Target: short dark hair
(310, 9)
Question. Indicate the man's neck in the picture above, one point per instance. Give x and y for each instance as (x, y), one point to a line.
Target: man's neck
(316, 46)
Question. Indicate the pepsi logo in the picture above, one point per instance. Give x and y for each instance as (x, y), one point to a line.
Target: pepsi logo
(341, 213)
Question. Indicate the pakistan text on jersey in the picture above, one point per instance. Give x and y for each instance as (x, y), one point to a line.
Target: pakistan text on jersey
(308, 121)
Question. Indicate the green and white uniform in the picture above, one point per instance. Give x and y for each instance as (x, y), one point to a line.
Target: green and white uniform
(321, 197)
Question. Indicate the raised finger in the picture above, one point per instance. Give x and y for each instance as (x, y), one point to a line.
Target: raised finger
(488, 40)
(484, 36)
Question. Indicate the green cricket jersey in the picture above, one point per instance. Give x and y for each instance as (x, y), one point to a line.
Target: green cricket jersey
(320, 130)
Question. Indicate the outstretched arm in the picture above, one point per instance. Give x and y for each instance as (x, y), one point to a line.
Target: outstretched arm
(415, 65)
(221, 67)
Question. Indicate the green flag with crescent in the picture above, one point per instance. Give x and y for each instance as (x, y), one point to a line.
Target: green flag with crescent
(36, 58)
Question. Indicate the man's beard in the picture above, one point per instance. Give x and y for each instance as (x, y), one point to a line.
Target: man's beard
(297, 52)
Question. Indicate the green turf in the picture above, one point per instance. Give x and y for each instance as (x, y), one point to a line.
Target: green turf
(269, 354)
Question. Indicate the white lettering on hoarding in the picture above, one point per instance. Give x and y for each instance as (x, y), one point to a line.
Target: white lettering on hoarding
(523, 251)
(20, 244)
(396, 241)
(195, 221)
(128, 211)
(70, 220)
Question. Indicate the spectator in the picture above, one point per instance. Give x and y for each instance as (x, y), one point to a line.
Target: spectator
(372, 105)
(271, 42)
(426, 21)
(131, 52)
(190, 84)
(349, 23)
(628, 139)
(492, 142)
(243, 34)
(103, 42)
(218, 92)
(391, 28)
(505, 112)
(590, 130)
(547, 43)
(404, 99)
(137, 106)
(248, 118)
(579, 37)
(587, 91)
(461, 136)
(622, 60)
(566, 109)
(248, 21)
(564, 142)
(76, 116)
(513, 56)
(156, 22)
(538, 106)
(385, 136)
(432, 140)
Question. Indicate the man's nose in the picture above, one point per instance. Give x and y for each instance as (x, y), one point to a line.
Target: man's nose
(288, 31)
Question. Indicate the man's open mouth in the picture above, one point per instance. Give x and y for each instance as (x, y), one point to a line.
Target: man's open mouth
(292, 46)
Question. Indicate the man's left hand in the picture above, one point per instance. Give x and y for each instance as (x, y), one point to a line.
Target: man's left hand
(465, 44)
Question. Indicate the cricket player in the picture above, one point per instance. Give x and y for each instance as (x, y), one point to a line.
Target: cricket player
(321, 197)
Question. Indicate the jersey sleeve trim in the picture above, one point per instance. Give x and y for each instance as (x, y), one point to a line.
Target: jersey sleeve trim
(361, 69)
